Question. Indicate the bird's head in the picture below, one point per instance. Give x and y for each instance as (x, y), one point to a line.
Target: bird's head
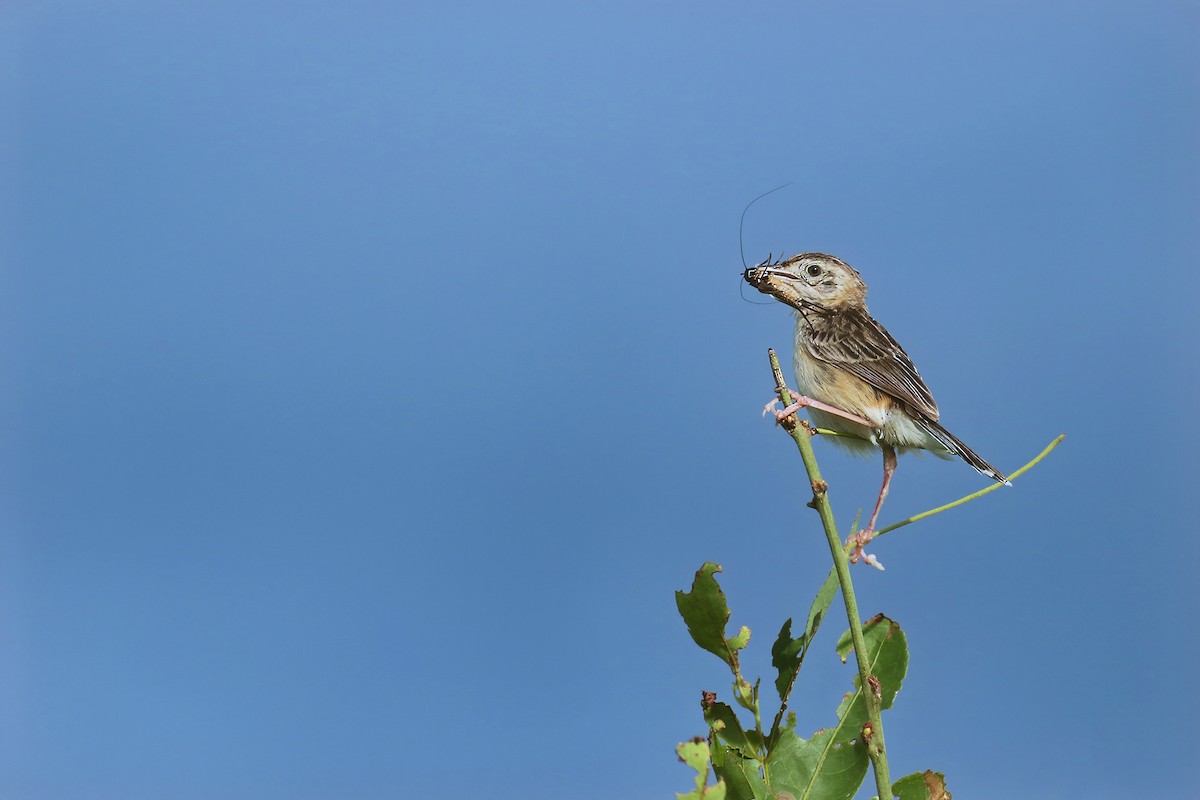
(810, 282)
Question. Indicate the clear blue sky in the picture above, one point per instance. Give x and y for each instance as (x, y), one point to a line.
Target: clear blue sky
(374, 373)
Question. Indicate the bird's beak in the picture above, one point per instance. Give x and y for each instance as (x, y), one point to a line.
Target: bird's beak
(778, 283)
(758, 276)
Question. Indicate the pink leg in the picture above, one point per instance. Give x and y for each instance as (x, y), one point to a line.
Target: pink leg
(865, 535)
(889, 469)
(800, 401)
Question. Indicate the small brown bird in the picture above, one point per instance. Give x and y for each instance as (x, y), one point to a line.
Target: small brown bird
(857, 379)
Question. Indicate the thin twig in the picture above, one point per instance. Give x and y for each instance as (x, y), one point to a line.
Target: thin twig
(968, 498)
(841, 564)
(974, 495)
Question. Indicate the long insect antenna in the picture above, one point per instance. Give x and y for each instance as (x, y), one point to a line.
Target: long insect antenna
(742, 222)
(770, 261)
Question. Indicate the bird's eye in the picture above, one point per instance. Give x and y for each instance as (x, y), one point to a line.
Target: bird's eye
(813, 270)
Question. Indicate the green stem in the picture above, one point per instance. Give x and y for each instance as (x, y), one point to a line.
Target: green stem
(966, 499)
(973, 495)
(832, 576)
(841, 563)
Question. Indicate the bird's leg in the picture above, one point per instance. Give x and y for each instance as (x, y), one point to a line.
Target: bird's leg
(889, 469)
(860, 539)
(799, 401)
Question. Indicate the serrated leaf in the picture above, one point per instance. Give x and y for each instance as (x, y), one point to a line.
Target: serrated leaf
(927, 785)
(706, 614)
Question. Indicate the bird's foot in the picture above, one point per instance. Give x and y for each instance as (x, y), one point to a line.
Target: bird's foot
(799, 401)
(859, 541)
(780, 416)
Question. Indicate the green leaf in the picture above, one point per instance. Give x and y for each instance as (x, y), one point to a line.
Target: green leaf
(745, 694)
(927, 785)
(757, 785)
(820, 604)
(696, 755)
(787, 654)
(740, 775)
(706, 613)
(724, 722)
(832, 764)
(887, 658)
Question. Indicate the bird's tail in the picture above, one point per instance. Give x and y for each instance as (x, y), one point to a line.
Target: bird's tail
(952, 443)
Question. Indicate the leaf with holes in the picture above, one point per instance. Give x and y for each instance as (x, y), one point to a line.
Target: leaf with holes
(725, 724)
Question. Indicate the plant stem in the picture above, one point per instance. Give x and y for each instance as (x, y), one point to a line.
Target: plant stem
(832, 576)
(973, 495)
(841, 563)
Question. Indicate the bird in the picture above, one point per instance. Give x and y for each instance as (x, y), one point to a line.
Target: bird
(854, 377)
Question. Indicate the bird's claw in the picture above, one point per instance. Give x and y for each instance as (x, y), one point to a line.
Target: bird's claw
(780, 416)
(860, 541)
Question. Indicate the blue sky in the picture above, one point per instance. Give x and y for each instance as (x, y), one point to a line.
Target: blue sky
(374, 373)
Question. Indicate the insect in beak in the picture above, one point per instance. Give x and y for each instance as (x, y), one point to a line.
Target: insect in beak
(758, 274)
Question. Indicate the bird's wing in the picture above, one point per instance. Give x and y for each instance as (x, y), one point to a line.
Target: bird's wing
(855, 342)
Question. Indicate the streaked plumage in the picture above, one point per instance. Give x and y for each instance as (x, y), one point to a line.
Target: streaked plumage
(844, 358)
